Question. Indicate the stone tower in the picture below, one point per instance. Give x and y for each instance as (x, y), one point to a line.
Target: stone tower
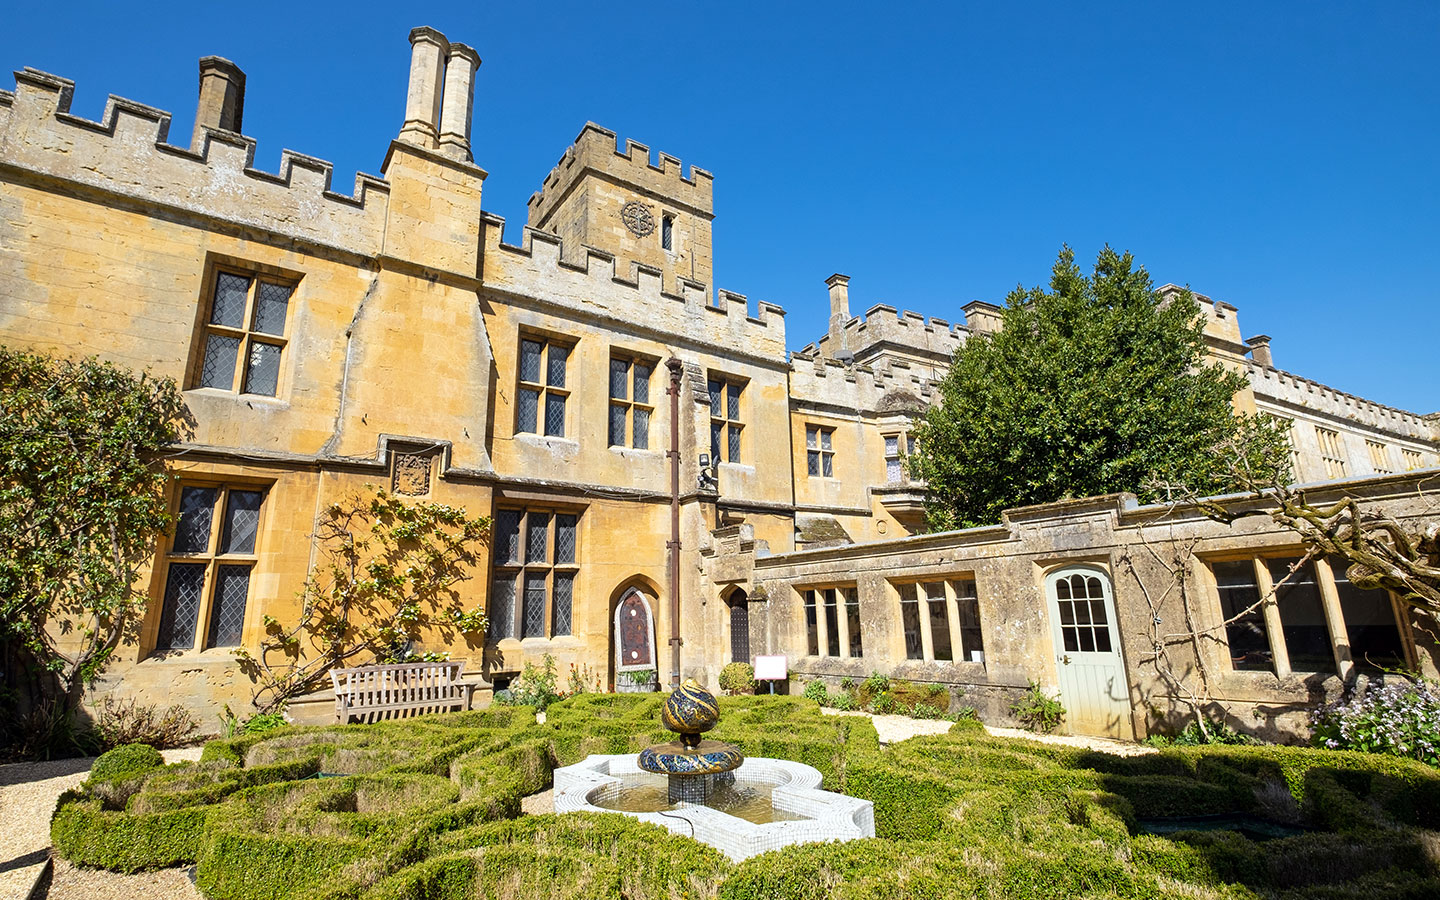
(619, 203)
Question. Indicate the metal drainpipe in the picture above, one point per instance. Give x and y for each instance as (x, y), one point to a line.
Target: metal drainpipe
(674, 365)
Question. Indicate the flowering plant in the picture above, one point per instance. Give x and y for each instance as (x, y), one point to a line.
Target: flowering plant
(1401, 718)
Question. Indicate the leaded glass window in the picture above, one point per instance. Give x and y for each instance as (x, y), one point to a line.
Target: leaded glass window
(245, 335)
(210, 559)
(535, 560)
(819, 451)
(542, 388)
(726, 427)
(630, 407)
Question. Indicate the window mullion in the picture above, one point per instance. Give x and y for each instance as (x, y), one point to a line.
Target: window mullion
(1275, 629)
(927, 640)
(1334, 618)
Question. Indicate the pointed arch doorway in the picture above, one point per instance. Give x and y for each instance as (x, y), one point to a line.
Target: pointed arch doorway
(632, 642)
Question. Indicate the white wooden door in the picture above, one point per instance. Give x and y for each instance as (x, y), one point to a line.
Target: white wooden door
(1091, 672)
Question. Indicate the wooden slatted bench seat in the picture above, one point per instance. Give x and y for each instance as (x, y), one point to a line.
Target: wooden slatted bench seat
(372, 693)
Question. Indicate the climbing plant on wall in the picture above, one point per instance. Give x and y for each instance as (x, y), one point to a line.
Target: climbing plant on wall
(82, 501)
(1097, 385)
(388, 576)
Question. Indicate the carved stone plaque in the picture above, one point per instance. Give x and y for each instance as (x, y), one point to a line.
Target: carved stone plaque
(412, 474)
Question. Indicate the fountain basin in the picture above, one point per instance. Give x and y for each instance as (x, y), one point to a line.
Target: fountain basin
(806, 814)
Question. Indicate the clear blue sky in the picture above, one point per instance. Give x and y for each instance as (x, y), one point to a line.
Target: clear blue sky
(1281, 157)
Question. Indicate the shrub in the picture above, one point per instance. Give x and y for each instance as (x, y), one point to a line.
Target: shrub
(1038, 711)
(1400, 719)
(817, 691)
(876, 683)
(738, 678)
(1191, 736)
(131, 722)
(844, 700)
(126, 762)
(536, 685)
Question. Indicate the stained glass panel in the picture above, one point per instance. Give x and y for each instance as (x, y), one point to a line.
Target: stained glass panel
(717, 398)
(564, 591)
(197, 512)
(734, 444)
(218, 370)
(271, 303)
(530, 361)
(229, 306)
(537, 533)
(502, 608)
(242, 522)
(528, 411)
(642, 383)
(184, 584)
(507, 536)
(732, 401)
(555, 374)
(564, 538)
(640, 439)
(232, 587)
(262, 376)
(533, 607)
(617, 424)
(619, 378)
(555, 415)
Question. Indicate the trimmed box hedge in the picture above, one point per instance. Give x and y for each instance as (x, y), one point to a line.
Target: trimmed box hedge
(430, 808)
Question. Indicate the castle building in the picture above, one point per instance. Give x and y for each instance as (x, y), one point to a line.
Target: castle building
(391, 335)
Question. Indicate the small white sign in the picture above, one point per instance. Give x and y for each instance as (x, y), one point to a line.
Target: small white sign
(770, 668)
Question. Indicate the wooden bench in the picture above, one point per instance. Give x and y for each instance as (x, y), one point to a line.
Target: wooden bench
(372, 693)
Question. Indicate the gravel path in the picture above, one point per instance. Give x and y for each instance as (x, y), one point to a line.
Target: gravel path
(28, 792)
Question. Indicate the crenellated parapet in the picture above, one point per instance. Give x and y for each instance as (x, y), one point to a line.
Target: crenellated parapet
(885, 326)
(127, 154)
(597, 149)
(590, 282)
(893, 387)
(1284, 389)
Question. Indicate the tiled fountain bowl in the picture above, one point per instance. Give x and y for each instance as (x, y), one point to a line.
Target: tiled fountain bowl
(799, 812)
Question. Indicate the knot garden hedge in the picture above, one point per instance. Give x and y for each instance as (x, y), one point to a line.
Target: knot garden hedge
(430, 808)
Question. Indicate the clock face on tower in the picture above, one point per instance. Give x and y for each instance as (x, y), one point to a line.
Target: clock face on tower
(638, 218)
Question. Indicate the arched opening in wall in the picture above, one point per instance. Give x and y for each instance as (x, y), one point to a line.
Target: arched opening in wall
(738, 603)
(632, 665)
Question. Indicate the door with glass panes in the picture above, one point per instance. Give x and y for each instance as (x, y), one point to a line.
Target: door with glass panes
(1090, 670)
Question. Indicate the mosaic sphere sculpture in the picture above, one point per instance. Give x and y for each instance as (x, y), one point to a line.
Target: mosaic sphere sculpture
(690, 710)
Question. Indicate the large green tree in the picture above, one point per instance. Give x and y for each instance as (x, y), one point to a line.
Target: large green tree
(1094, 386)
(82, 501)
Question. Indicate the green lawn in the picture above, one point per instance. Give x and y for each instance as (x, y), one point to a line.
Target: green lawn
(429, 809)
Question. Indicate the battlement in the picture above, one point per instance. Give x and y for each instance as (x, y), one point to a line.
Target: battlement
(888, 387)
(597, 150)
(932, 337)
(127, 153)
(591, 282)
(1286, 389)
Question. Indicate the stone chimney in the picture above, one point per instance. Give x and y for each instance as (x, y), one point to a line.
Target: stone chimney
(428, 49)
(1260, 350)
(460, 69)
(222, 98)
(982, 317)
(839, 301)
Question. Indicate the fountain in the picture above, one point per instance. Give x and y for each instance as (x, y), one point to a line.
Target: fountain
(710, 791)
